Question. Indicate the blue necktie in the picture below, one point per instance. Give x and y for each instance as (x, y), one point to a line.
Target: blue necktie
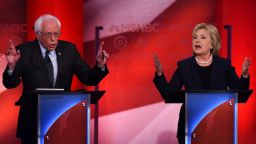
(49, 66)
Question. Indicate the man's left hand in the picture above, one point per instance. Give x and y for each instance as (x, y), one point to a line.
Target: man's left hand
(102, 56)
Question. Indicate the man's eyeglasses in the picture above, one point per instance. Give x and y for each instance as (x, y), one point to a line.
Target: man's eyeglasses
(50, 34)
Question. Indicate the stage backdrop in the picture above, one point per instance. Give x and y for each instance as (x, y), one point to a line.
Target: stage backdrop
(16, 22)
(132, 110)
(12, 26)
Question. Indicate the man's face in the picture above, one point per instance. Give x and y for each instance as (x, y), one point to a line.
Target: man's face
(49, 34)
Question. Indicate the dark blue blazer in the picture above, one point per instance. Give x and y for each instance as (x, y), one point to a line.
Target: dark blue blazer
(223, 77)
(32, 72)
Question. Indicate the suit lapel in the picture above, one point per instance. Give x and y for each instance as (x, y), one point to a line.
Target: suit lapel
(38, 62)
(195, 74)
(59, 62)
(214, 73)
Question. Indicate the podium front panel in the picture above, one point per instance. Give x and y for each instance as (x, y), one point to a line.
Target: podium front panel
(63, 118)
(211, 118)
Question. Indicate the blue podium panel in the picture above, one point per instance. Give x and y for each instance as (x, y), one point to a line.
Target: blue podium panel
(53, 106)
(211, 118)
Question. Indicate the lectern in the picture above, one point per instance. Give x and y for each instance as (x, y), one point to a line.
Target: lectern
(64, 117)
(211, 116)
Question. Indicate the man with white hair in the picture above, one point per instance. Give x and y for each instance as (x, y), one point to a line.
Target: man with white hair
(46, 62)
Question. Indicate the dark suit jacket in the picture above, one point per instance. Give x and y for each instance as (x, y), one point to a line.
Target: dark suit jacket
(223, 77)
(31, 71)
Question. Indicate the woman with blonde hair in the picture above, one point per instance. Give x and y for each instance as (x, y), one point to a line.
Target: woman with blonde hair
(205, 70)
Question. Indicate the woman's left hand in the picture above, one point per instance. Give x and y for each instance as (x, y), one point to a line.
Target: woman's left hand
(245, 67)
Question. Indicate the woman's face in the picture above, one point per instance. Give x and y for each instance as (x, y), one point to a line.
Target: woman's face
(201, 43)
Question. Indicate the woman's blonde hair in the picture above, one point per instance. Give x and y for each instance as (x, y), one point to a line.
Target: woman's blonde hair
(214, 35)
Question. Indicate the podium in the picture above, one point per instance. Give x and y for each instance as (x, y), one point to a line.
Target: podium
(64, 117)
(210, 116)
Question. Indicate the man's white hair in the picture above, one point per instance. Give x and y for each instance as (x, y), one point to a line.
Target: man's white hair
(42, 18)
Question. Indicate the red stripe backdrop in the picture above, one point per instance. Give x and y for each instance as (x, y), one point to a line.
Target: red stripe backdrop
(241, 15)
